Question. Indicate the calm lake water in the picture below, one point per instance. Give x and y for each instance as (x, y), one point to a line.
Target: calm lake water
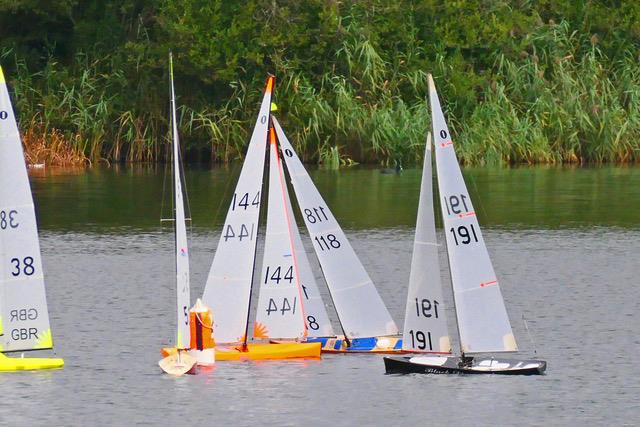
(564, 242)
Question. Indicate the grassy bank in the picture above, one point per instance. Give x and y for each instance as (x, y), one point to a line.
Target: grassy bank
(559, 98)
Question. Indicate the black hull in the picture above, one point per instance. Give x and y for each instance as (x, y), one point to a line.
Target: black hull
(454, 365)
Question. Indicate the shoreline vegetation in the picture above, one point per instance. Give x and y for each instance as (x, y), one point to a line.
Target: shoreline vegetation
(536, 83)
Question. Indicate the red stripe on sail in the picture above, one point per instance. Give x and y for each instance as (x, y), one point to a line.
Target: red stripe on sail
(466, 214)
(493, 282)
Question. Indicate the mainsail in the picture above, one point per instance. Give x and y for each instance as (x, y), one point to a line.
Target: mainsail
(425, 323)
(228, 288)
(24, 319)
(482, 317)
(182, 251)
(361, 311)
(280, 311)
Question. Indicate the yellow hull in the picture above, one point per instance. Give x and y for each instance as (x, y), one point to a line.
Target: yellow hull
(264, 351)
(28, 364)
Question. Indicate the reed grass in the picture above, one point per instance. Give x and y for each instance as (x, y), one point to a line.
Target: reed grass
(559, 100)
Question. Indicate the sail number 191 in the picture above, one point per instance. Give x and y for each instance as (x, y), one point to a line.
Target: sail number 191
(426, 308)
(455, 204)
(464, 234)
(420, 340)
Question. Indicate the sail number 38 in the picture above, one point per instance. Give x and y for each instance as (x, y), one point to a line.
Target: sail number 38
(8, 219)
(22, 267)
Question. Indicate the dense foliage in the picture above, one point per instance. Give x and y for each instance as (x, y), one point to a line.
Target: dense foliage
(522, 81)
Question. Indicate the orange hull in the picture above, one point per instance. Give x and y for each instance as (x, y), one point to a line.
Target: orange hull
(263, 351)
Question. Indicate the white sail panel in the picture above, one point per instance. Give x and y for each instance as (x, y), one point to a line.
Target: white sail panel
(182, 250)
(361, 311)
(23, 304)
(316, 317)
(280, 312)
(425, 323)
(482, 317)
(228, 288)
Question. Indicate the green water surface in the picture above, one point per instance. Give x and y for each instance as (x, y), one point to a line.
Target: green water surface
(526, 197)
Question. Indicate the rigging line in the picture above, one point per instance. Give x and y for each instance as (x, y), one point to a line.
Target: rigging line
(225, 193)
(164, 190)
(283, 189)
(189, 214)
(526, 327)
(477, 195)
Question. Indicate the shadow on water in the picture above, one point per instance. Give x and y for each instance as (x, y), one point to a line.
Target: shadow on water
(136, 197)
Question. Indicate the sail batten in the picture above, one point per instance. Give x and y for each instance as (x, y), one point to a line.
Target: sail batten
(482, 318)
(360, 308)
(228, 288)
(425, 324)
(23, 307)
(182, 248)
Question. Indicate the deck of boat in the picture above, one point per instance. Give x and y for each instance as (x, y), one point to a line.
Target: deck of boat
(263, 351)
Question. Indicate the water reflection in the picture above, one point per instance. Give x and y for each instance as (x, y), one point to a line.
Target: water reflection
(106, 198)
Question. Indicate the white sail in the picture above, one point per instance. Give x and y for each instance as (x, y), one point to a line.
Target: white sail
(425, 323)
(482, 318)
(228, 288)
(361, 311)
(280, 311)
(316, 317)
(24, 319)
(182, 251)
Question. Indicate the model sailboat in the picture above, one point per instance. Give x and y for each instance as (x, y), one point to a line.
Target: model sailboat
(365, 320)
(24, 318)
(483, 324)
(229, 284)
(179, 362)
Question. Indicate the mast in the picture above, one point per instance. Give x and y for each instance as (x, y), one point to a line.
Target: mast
(453, 294)
(180, 232)
(483, 322)
(229, 284)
